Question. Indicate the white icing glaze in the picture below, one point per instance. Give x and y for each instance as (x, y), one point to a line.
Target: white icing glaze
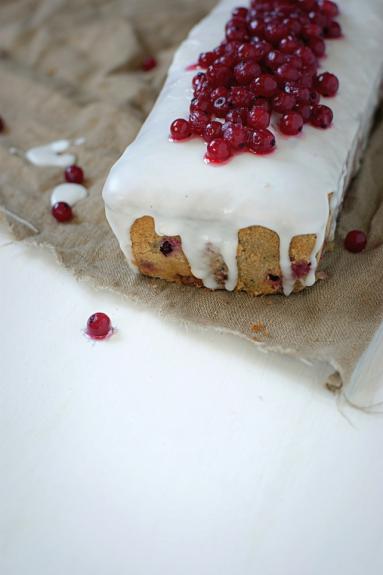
(51, 154)
(287, 192)
(68, 193)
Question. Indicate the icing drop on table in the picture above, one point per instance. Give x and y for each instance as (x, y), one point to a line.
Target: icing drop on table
(68, 193)
(52, 154)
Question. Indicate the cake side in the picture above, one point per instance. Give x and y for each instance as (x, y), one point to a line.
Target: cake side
(259, 269)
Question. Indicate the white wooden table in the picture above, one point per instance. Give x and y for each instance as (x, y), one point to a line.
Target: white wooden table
(170, 450)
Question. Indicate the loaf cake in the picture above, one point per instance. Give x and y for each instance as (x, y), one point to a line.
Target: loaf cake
(211, 207)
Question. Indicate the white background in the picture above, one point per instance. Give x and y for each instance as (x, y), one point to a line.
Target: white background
(167, 450)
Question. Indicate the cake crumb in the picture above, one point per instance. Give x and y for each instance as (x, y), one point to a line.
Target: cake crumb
(322, 275)
(260, 328)
(334, 383)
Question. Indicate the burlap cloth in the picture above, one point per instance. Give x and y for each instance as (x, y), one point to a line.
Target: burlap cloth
(70, 68)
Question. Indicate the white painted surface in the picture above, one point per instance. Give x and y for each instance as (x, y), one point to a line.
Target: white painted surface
(170, 451)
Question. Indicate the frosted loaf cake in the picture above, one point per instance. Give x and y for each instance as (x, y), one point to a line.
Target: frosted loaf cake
(257, 222)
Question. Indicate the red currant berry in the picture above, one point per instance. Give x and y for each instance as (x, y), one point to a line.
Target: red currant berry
(149, 63)
(295, 61)
(311, 31)
(166, 248)
(329, 8)
(289, 44)
(206, 59)
(317, 18)
(307, 79)
(248, 51)
(301, 94)
(262, 48)
(227, 60)
(220, 50)
(198, 80)
(221, 107)
(240, 13)
(304, 110)
(294, 25)
(261, 141)
(274, 59)
(300, 269)
(314, 98)
(258, 118)
(219, 92)
(355, 241)
(321, 116)
(62, 212)
(236, 136)
(306, 5)
(245, 72)
(327, 84)
(202, 103)
(241, 97)
(332, 31)
(317, 46)
(236, 30)
(264, 85)
(306, 55)
(218, 75)
(231, 48)
(235, 116)
(256, 27)
(99, 326)
(283, 103)
(198, 121)
(74, 174)
(288, 73)
(262, 103)
(180, 129)
(274, 32)
(212, 131)
(218, 151)
(291, 123)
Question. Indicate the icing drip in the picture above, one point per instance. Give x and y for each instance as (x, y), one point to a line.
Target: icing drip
(200, 241)
(68, 193)
(52, 154)
(124, 240)
(284, 261)
(293, 193)
(310, 278)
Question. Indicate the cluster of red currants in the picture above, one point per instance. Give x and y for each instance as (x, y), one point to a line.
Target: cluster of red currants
(267, 64)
